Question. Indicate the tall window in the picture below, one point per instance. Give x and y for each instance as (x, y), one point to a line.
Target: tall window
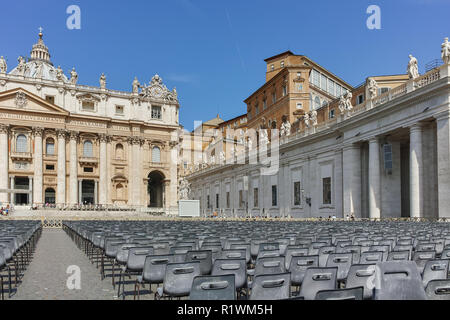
(297, 193)
(284, 90)
(255, 198)
(88, 149)
(156, 154)
(317, 103)
(156, 112)
(241, 199)
(228, 199)
(274, 196)
(217, 201)
(274, 97)
(50, 146)
(119, 151)
(264, 104)
(326, 185)
(208, 203)
(21, 143)
(323, 82)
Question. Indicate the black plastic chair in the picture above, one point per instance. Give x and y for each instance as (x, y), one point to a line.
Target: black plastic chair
(271, 287)
(341, 294)
(438, 289)
(435, 270)
(318, 279)
(219, 287)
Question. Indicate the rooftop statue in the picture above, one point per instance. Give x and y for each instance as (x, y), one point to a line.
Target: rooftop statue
(73, 76)
(413, 68)
(314, 117)
(21, 67)
(373, 88)
(306, 119)
(285, 129)
(103, 81)
(59, 73)
(136, 85)
(3, 65)
(445, 51)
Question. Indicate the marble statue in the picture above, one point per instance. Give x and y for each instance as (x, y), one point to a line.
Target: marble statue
(306, 119)
(175, 93)
(103, 81)
(184, 189)
(348, 101)
(3, 65)
(21, 67)
(313, 117)
(263, 137)
(222, 157)
(445, 51)
(59, 73)
(342, 104)
(285, 129)
(413, 68)
(212, 160)
(250, 143)
(373, 88)
(136, 85)
(73, 76)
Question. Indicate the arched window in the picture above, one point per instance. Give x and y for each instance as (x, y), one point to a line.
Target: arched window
(119, 151)
(317, 103)
(156, 154)
(50, 146)
(21, 143)
(87, 149)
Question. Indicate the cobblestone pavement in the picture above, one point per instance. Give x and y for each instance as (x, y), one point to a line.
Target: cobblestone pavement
(46, 277)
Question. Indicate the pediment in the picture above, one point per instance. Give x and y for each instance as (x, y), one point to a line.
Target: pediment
(23, 100)
(88, 97)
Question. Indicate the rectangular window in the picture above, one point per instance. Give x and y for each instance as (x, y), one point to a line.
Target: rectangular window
(316, 78)
(297, 193)
(284, 91)
(300, 87)
(387, 150)
(241, 199)
(88, 106)
(274, 97)
(360, 99)
(228, 199)
(264, 104)
(50, 99)
(323, 82)
(156, 112)
(88, 169)
(331, 89)
(217, 201)
(255, 198)
(272, 67)
(119, 109)
(274, 196)
(326, 186)
(299, 105)
(256, 110)
(331, 115)
(282, 64)
(208, 204)
(50, 167)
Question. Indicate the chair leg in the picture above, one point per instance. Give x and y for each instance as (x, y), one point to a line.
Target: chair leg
(119, 282)
(1, 284)
(113, 265)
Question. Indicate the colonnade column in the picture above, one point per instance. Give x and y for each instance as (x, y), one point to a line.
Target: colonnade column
(73, 178)
(4, 161)
(38, 176)
(13, 195)
(103, 186)
(135, 170)
(61, 187)
(30, 189)
(374, 179)
(338, 193)
(415, 171)
(443, 163)
(352, 179)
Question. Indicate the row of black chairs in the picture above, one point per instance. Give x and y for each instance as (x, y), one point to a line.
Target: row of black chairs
(264, 257)
(17, 244)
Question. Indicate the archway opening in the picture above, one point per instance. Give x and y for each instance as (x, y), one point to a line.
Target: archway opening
(155, 189)
(88, 192)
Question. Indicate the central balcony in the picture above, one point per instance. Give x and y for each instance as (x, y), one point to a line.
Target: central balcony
(21, 156)
(90, 161)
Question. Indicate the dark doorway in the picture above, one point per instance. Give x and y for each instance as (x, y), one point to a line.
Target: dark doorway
(50, 196)
(404, 163)
(88, 192)
(155, 189)
(22, 183)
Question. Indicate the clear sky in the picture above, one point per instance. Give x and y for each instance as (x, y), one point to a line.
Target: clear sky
(212, 51)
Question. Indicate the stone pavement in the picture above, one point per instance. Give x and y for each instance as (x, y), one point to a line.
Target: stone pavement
(46, 277)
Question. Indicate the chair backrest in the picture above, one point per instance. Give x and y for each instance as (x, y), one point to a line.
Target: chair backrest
(179, 249)
(371, 257)
(137, 256)
(435, 270)
(123, 251)
(323, 253)
(298, 267)
(237, 267)
(243, 246)
(216, 250)
(342, 261)
(294, 251)
(315, 246)
(438, 290)
(355, 250)
(270, 265)
(421, 258)
(268, 253)
(398, 256)
(155, 267)
(445, 254)
(161, 247)
(425, 246)
(2, 259)
(398, 280)
(204, 257)
(233, 254)
(218, 287)
(178, 278)
(383, 248)
(318, 279)
(269, 246)
(341, 294)
(359, 275)
(271, 287)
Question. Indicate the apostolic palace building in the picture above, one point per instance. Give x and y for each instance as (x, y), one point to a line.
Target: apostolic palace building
(315, 146)
(68, 144)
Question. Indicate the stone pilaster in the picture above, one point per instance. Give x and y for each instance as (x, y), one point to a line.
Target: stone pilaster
(38, 170)
(61, 187)
(374, 179)
(4, 161)
(443, 163)
(73, 170)
(103, 183)
(352, 180)
(415, 171)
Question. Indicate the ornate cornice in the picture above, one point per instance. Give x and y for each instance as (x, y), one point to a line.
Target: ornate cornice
(136, 140)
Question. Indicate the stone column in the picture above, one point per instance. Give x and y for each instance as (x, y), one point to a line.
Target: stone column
(61, 187)
(38, 177)
(80, 191)
(338, 194)
(415, 171)
(13, 195)
(374, 179)
(135, 170)
(4, 161)
(30, 188)
(73, 178)
(352, 180)
(96, 192)
(443, 163)
(103, 184)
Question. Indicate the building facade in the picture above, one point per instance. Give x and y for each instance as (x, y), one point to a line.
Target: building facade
(67, 144)
(383, 152)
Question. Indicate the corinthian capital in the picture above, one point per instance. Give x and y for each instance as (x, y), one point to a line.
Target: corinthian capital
(103, 137)
(61, 133)
(4, 128)
(74, 135)
(37, 131)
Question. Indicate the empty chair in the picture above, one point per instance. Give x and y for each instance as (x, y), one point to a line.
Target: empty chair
(421, 258)
(435, 270)
(243, 246)
(153, 271)
(445, 254)
(268, 253)
(438, 290)
(178, 279)
(398, 256)
(233, 254)
(371, 257)
(318, 279)
(341, 294)
(342, 261)
(218, 287)
(383, 248)
(362, 275)
(271, 287)
(216, 250)
(298, 267)
(205, 259)
(353, 249)
(398, 280)
(270, 265)
(408, 248)
(315, 246)
(237, 267)
(323, 253)
(294, 251)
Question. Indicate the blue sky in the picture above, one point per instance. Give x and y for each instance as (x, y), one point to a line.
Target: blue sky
(213, 51)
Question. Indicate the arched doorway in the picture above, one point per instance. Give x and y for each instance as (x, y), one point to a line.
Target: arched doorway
(155, 189)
